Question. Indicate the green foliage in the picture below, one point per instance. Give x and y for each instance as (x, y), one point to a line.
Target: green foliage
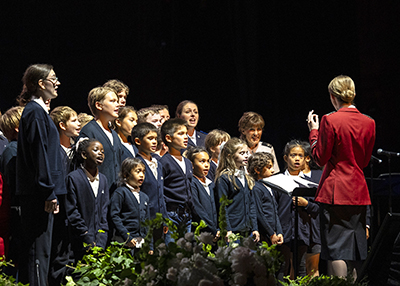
(192, 259)
(105, 267)
(222, 219)
(322, 280)
(6, 280)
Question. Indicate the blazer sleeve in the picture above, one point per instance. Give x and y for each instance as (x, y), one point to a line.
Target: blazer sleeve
(258, 199)
(223, 185)
(322, 142)
(253, 213)
(74, 216)
(116, 203)
(198, 208)
(38, 138)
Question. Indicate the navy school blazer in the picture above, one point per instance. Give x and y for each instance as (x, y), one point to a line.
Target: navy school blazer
(266, 208)
(86, 213)
(113, 154)
(241, 213)
(39, 167)
(200, 139)
(154, 188)
(127, 214)
(177, 185)
(204, 207)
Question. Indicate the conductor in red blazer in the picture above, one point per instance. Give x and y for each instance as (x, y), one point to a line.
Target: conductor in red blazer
(342, 143)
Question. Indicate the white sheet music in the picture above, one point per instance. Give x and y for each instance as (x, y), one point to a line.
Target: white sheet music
(288, 183)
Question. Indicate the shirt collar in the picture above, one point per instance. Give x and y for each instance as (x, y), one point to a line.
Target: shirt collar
(41, 103)
(90, 177)
(137, 190)
(239, 173)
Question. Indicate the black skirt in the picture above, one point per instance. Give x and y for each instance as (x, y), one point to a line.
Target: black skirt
(343, 232)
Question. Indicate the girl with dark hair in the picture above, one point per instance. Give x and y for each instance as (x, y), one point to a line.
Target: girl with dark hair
(87, 198)
(39, 172)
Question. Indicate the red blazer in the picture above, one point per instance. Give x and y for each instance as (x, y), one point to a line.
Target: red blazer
(343, 144)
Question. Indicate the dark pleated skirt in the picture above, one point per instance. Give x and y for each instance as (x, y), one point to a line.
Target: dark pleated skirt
(343, 234)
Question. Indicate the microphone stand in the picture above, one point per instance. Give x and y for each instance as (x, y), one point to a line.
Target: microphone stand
(371, 193)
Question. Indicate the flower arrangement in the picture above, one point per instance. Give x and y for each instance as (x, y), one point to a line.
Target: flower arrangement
(193, 259)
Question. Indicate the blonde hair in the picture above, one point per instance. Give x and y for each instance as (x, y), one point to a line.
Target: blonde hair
(342, 87)
(144, 112)
(61, 114)
(10, 120)
(227, 165)
(117, 85)
(98, 94)
(214, 138)
(84, 118)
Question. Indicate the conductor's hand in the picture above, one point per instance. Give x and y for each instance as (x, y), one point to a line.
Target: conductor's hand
(312, 121)
(50, 206)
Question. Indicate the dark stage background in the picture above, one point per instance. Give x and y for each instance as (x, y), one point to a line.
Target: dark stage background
(229, 56)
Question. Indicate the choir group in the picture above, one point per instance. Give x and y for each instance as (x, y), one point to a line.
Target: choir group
(66, 175)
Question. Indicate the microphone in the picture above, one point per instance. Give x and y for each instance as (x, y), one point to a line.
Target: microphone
(387, 153)
(375, 159)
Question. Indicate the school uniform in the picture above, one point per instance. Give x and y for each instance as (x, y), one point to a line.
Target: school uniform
(204, 207)
(3, 142)
(177, 191)
(9, 207)
(344, 144)
(154, 188)
(212, 170)
(113, 153)
(266, 209)
(87, 213)
(128, 214)
(241, 214)
(266, 147)
(38, 179)
(61, 248)
(129, 152)
(200, 139)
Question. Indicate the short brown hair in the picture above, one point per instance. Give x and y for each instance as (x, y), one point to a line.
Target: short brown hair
(214, 138)
(10, 120)
(144, 112)
(61, 114)
(117, 86)
(250, 119)
(97, 94)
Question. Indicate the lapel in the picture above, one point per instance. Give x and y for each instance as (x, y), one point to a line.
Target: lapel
(103, 134)
(177, 166)
(88, 186)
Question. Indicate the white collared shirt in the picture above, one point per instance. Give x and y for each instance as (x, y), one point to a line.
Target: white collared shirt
(129, 147)
(93, 181)
(193, 137)
(153, 164)
(182, 163)
(134, 191)
(239, 173)
(206, 185)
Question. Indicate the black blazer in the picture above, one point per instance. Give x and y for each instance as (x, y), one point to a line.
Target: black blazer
(200, 139)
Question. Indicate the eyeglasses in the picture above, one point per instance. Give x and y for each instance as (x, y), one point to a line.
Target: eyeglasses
(53, 80)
